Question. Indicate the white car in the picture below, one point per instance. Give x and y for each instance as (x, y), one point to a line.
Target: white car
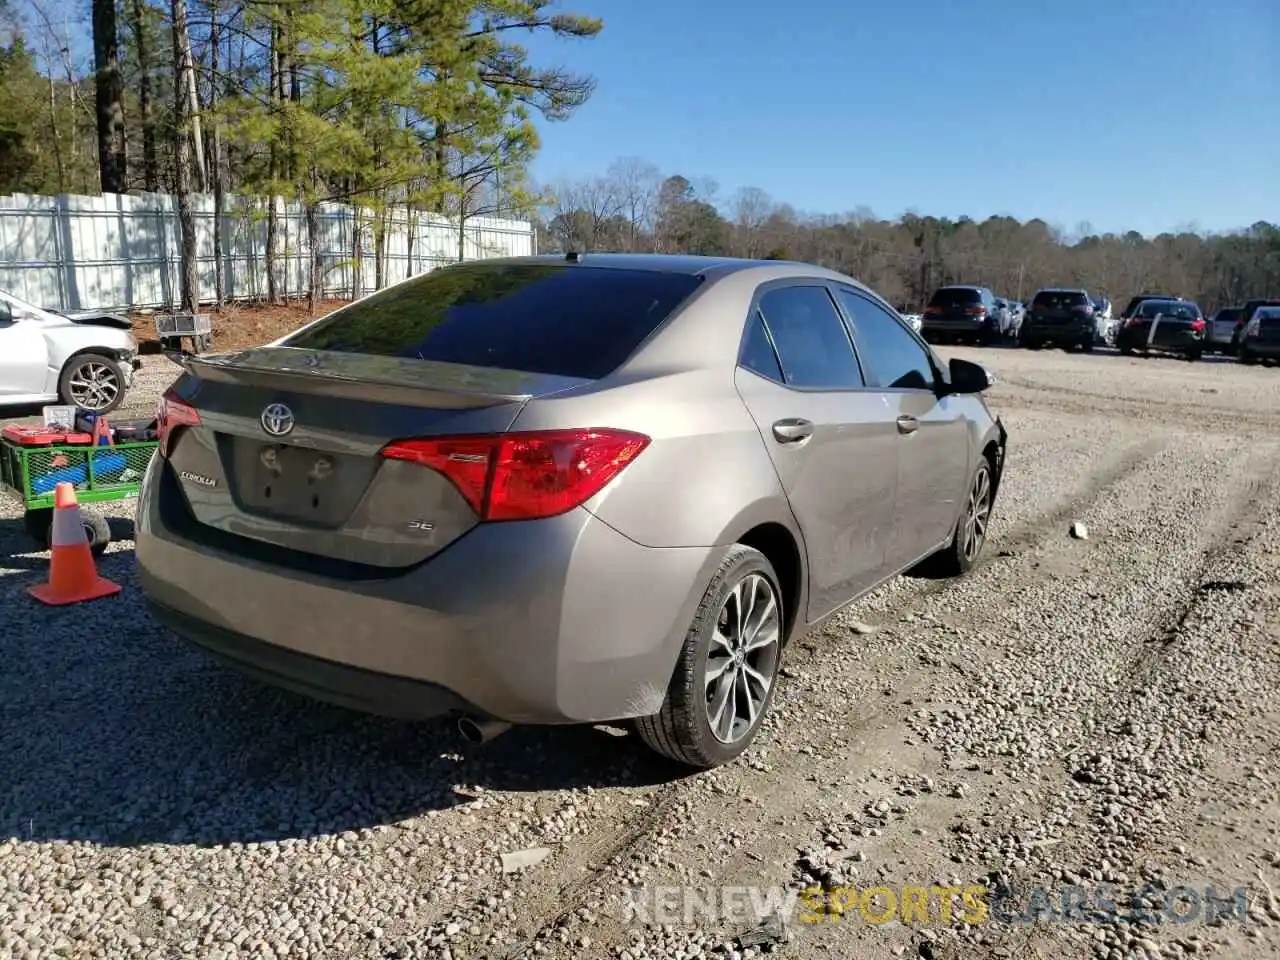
(86, 358)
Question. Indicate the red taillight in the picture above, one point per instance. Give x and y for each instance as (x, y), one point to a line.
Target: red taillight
(977, 311)
(172, 412)
(1197, 325)
(932, 310)
(1084, 308)
(525, 476)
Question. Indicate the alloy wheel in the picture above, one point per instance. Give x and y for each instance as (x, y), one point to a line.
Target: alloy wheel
(977, 514)
(743, 659)
(94, 385)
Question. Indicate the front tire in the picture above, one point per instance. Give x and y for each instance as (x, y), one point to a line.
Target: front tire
(724, 680)
(93, 382)
(959, 556)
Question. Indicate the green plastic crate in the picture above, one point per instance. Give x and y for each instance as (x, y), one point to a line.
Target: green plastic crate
(99, 474)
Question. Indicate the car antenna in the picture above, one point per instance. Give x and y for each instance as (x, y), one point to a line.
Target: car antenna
(573, 256)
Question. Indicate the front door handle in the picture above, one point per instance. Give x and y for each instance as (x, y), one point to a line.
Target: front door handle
(792, 430)
(908, 424)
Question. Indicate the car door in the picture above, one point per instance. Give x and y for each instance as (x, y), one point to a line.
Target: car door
(833, 443)
(24, 356)
(932, 432)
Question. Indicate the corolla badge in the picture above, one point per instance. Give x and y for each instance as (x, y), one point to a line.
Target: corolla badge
(277, 419)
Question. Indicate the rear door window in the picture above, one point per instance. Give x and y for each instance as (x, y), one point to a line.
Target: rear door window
(560, 319)
(813, 345)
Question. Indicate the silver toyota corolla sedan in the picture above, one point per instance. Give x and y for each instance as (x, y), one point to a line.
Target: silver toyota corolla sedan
(562, 490)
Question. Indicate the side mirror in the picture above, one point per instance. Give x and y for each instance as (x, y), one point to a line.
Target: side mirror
(969, 377)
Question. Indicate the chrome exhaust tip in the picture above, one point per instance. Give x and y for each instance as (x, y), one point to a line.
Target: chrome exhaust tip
(476, 731)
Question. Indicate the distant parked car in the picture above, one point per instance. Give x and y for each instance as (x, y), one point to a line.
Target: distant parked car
(1220, 334)
(1172, 326)
(535, 490)
(1004, 316)
(1246, 314)
(961, 313)
(84, 358)
(1104, 325)
(1260, 339)
(1061, 316)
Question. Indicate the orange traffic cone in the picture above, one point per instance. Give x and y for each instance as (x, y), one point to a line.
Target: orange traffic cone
(73, 577)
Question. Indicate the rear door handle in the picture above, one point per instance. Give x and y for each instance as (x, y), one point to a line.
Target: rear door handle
(792, 430)
(908, 424)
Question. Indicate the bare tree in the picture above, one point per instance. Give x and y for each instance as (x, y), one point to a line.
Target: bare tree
(636, 183)
(750, 208)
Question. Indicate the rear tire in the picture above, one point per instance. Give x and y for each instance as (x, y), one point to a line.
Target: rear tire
(744, 683)
(1086, 346)
(1245, 357)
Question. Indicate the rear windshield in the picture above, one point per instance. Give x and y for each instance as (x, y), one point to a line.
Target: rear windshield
(955, 297)
(1060, 300)
(1268, 316)
(1181, 309)
(1133, 304)
(571, 321)
(1228, 315)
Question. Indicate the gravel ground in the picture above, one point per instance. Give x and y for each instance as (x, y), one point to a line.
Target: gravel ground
(1076, 712)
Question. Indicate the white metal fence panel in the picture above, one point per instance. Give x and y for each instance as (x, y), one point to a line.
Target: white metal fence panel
(122, 251)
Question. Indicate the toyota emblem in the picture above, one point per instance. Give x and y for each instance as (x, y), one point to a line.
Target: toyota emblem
(277, 419)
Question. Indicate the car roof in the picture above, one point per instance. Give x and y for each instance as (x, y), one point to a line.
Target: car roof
(659, 262)
(713, 268)
(1062, 290)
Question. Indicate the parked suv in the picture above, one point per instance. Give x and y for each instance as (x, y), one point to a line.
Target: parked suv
(957, 313)
(1061, 316)
(552, 490)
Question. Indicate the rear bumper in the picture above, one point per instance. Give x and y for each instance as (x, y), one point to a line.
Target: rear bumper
(956, 325)
(1071, 331)
(1182, 341)
(552, 621)
(1261, 348)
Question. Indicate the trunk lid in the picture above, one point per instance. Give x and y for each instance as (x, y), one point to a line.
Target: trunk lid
(288, 448)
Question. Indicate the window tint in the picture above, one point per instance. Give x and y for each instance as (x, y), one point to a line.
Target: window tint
(1059, 300)
(757, 352)
(893, 357)
(812, 343)
(573, 321)
(5, 313)
(1182, 309)
(955, 297)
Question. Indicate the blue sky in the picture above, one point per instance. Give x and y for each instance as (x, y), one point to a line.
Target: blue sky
(1126, 114)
